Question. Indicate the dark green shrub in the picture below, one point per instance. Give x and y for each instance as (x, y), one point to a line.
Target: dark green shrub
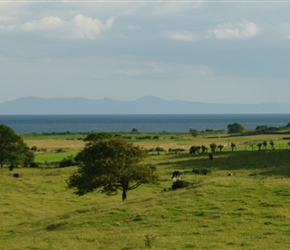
(179, 184)
(67, 162)
(60, 150)
(33, 165)
(201, 171)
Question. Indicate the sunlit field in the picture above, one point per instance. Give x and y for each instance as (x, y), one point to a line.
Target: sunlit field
(242, 203)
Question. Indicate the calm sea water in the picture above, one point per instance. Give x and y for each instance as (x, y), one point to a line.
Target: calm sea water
(27, 124)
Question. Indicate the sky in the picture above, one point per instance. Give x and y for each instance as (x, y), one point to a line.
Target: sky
(200, 51)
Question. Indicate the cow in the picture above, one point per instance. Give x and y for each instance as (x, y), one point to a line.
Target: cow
(194, 150)
(16, 175)
(11, 167)
(210, 156)
(175, 175)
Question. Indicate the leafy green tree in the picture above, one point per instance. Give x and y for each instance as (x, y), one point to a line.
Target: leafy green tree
(193, 132)
(261, 127)
(235, 128)
(233, 146)
(265, 144)
(134, 130)
(96, 136)
(204, 149)
(159, 149)
(111, 165)
(220, 147)
(12, 148)
(213, 147)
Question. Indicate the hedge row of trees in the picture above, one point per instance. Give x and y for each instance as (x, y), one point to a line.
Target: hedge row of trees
(236, 128)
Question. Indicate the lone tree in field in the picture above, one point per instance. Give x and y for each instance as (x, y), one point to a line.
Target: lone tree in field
(13, 150)
(111, 165)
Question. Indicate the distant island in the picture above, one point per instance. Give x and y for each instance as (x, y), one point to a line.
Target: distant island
(145, 105)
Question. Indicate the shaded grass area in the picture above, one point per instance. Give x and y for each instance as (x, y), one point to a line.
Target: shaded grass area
(263, 163)
(243, 211)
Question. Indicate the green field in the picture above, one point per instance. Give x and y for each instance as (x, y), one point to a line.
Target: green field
(248, 210)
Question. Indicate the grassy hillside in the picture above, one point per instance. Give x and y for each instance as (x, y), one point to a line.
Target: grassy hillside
(248, 210)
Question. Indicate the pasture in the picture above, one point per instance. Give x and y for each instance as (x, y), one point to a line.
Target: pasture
(248, 210)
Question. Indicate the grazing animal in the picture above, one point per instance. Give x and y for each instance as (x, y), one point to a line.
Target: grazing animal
(16, 175)
(230, 174)
(11, 167)
(175, 175)
(210, 156)
(194, 150)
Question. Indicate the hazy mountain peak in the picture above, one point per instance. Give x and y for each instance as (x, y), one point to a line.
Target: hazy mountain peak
(144, 105)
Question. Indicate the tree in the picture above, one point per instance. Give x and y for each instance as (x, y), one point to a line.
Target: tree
(213, 147)
(235, 128)
(261, 127)
(96, 136)
(233, 146)
(265, 144)
(12, 148)
(220, 147)
(193, 132)
(159, 149)
(111, 165)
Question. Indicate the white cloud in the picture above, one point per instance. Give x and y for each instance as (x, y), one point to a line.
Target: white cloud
(167, 8)
(50, 22)
(79, 27)
(182, 36)
(158, 70)
(129, 72)
(245, 29)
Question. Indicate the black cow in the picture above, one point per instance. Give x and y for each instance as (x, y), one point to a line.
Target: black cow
(210, 156)
(16, 175)
(175, 175)
(11, 167)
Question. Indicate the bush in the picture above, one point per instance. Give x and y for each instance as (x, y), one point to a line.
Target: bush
(160, 149)
(33, 165)
(201, 171)
(67, 162)
(179, 184)
(60, 150)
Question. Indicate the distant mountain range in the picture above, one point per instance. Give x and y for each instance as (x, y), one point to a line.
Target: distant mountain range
(145, 105)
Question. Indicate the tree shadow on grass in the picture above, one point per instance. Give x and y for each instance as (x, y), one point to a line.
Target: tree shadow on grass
(264, 162)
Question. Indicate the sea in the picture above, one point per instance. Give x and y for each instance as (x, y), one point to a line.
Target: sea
(39, 124)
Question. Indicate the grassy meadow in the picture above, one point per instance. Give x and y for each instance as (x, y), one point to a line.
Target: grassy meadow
(250, 209)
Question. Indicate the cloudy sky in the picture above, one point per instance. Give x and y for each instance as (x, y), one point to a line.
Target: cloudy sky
(208, 51)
